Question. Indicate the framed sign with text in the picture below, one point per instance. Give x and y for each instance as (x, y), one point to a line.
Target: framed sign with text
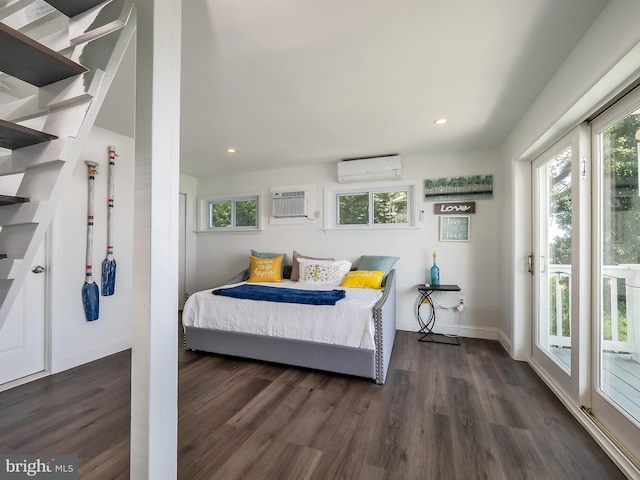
(457, 208)
(455, 228)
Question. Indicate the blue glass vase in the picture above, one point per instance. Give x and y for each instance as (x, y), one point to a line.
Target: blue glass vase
(435, 274)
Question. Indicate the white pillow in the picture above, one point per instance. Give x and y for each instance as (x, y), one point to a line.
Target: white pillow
(323, 272)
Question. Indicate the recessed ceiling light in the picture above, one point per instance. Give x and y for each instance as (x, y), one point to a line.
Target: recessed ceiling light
(440, 121)
(231, 150)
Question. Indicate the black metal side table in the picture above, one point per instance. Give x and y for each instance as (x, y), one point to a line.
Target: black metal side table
(426, 328)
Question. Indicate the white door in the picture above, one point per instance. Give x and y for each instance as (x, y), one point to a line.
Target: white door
(560, 213)
(22, 337)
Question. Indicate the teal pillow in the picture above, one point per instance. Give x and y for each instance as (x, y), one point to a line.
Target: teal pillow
(378, 262)
(270, 255)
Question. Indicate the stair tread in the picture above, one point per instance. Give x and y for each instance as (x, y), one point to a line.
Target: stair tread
(10, 200)
(13, 136)
(71, 8)
(28, 60)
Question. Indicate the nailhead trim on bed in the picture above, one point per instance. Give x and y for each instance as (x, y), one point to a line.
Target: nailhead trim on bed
(379, 331)
(377, 316)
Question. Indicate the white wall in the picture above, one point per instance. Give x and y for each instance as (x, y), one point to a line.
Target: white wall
(74, 340)
(474, 265)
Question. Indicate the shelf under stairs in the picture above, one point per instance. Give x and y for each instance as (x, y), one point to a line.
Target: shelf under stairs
(57, 60)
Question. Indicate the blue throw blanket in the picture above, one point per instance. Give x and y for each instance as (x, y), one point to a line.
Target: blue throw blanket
(284, 295)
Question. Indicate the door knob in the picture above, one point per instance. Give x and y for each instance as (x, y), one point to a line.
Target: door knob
(38, 269)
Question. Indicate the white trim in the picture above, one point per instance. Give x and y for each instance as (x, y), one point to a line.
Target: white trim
(485, 333)
(366, 230)
(203, 215)
(230, 231)
(505, 341)
(93, 353)
(189, 187)
(182, 249)
(23, 380)
(519, 293)
(574, 380)
(330, 205)
(50, 252)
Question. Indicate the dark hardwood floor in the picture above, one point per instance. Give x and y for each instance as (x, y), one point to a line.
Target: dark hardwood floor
(446, 412)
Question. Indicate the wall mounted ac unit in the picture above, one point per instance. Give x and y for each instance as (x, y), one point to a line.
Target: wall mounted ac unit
(289, 204)
(387, 167)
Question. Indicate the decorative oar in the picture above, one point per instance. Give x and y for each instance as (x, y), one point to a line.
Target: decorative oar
(109, 263)
(90, 291)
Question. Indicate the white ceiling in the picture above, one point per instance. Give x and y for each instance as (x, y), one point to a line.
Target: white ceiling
(295, 82)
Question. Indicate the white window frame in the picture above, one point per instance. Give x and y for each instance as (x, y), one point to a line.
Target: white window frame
(331, 205)
(204, 207)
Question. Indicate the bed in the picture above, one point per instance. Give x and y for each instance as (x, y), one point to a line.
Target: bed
(369, 358)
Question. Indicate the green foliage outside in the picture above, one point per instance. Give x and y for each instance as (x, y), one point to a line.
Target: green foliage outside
(559, 283)
(390, 207)
(622, 221)
(246, 213)
(606, 309)
(353, 209)
(621, 215)
(378, 208)
(221, 214)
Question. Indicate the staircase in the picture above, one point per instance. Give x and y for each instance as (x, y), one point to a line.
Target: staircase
(57, 61)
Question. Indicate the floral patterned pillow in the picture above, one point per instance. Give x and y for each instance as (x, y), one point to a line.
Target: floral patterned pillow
(323, 272)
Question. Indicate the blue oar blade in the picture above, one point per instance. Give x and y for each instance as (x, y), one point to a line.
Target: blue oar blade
(108, 277)
(91, 300)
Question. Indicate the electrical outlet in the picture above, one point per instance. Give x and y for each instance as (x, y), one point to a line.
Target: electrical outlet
(461, 301)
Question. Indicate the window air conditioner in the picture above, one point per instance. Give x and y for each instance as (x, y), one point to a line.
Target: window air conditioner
(387, 167)
(289, 204)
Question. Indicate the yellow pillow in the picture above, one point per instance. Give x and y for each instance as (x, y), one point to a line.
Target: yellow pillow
(363, 279)
(265, 269)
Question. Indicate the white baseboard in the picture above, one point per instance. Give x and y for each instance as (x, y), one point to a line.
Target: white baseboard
(90, 354)
(505, 342)
(23, 380)
(459, 330)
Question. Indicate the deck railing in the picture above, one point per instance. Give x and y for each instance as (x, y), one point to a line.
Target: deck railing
(622, 288)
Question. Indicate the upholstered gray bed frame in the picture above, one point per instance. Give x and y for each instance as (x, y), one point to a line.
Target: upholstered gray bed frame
(360, 362)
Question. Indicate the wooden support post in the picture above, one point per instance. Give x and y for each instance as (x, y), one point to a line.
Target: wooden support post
(154, 371)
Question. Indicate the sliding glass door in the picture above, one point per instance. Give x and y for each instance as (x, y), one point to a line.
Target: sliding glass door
(616, 280)
(586, 269)
(558, 184)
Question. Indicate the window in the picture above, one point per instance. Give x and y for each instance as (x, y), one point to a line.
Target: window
(372, 208)
(230, 214)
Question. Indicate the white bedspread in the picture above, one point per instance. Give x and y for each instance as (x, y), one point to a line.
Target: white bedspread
(349, 322)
